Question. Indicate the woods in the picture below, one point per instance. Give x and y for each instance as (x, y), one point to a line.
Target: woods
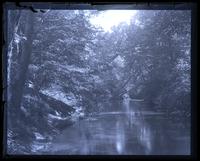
(62, 68)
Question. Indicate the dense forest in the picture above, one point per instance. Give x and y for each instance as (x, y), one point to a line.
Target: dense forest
(62, 69)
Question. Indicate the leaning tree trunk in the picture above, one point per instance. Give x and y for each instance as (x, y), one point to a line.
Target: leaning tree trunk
(18, 84)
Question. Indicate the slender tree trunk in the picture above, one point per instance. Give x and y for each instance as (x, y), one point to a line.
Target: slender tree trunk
(23, 62)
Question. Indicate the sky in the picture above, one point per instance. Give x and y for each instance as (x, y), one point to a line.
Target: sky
(110, 18)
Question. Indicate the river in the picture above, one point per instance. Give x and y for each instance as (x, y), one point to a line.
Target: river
(131, 131)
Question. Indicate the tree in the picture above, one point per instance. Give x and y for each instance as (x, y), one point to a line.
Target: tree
(22, 63)
(22, 39)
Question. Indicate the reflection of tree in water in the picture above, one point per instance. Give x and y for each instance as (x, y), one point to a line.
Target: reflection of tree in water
(113, 133)
(137, 125)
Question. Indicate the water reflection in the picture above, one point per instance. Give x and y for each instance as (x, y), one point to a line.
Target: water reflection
(136, 119)
(120, 137)
(130, 131)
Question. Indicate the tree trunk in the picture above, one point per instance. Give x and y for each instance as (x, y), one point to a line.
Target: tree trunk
(23, 62)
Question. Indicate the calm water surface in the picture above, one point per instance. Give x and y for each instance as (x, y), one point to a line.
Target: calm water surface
(130, 131)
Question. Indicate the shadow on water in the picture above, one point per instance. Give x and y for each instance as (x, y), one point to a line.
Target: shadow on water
(129, 131)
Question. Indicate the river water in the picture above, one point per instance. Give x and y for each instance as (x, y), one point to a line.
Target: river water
(131, 130)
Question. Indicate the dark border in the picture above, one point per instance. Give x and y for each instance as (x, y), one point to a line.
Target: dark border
(194, 82)
(104, 5)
